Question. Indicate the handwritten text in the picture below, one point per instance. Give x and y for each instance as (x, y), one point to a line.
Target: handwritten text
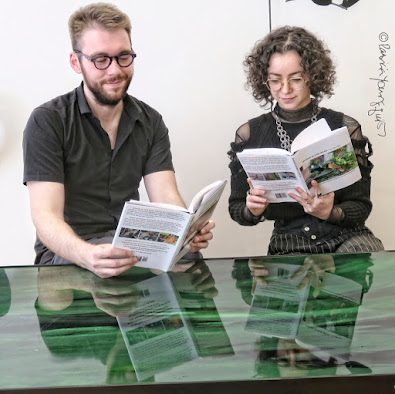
(377, 106)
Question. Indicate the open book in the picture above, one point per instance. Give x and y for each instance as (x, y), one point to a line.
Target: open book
(159, 234)
(277, 306)
(317, 153)
(166, 328)
(323, 325)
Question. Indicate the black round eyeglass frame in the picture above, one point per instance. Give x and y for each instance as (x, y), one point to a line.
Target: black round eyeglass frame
(94, 59)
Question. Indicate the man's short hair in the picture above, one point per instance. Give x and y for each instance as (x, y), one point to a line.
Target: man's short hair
(97, 15)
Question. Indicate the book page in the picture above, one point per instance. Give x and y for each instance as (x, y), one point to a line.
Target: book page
(327, 327)
(277, 306)
(155, 332)
(200, 308)
(273, 170)
(205, 194)
(331, 162)
(311, 134)
(159, 205)
(154, 234)
(205, 210)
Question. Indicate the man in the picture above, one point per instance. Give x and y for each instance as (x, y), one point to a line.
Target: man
(86, 152)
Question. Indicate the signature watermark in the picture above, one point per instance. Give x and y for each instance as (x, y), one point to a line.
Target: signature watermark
(377, 107)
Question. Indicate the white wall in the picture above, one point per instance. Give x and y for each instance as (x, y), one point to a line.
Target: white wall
(189, 67)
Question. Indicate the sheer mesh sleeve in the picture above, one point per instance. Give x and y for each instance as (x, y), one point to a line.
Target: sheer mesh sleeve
(239, 186)
(242, 133)
(359, 141)
(352, 204)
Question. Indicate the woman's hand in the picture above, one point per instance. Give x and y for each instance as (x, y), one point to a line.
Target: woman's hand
(320, 205)
(314, 268)
(255, 200)
(259, 273)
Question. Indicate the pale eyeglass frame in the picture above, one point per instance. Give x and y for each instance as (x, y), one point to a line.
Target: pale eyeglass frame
(295, 83)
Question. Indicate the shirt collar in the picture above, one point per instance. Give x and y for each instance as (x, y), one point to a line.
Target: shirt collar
(131, 105)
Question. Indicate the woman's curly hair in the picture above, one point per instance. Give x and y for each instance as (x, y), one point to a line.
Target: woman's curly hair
(316, 62)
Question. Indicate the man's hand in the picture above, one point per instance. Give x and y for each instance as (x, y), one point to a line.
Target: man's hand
(200, 240)
(47, 206)
(116, 297)
(203, 281)
(106, 261)
(56, 285)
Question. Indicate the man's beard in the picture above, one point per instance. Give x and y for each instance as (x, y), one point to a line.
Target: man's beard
(99, 94)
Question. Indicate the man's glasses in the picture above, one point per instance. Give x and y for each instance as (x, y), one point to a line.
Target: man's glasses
(296, 83)
(102, 62)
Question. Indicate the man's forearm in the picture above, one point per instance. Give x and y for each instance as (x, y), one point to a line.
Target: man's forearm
(162, 187)
(101, 259)
(174, 199)
(60, 238)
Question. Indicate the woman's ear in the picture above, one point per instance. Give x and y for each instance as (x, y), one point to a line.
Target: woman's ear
(75, 63)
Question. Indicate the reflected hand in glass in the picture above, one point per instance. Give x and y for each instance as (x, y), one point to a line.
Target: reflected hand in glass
(203, 280)
(114, 296)
(258, 272)
(316, 266)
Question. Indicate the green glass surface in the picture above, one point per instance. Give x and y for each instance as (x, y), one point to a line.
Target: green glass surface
(208, 321)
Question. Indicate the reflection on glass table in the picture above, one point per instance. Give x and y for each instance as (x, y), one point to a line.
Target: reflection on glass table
(136, 326)
(216, 325)
(306, 313)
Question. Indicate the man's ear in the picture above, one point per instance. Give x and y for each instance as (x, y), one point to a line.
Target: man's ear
(75, 63)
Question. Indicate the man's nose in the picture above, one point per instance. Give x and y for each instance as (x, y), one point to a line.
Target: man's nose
(114, 67)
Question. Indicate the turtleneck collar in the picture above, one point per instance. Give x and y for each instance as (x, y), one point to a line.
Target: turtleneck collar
(295, 116)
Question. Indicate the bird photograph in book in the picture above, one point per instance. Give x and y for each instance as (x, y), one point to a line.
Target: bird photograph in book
(159, 234)
(317, 153)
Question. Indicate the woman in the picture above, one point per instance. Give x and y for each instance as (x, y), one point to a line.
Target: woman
(291, 70)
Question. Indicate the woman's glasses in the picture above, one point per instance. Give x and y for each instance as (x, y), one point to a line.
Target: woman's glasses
(295, 83)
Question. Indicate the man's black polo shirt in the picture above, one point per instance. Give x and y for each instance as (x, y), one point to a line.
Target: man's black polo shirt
(64, 142)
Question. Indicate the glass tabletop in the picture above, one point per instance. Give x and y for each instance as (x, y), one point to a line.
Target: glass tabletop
(233, 322)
